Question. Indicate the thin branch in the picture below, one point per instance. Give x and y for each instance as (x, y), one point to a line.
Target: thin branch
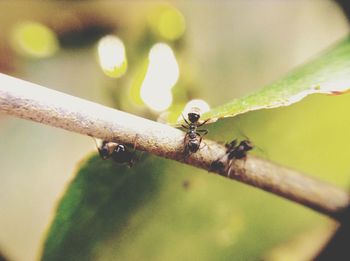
(33, 102)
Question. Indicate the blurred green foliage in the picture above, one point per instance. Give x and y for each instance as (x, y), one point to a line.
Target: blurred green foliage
(162, 210)
(167, 22)
(34, 40)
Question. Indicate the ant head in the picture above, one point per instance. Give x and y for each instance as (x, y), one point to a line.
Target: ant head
(194, 114)
(246, 144)
(230, 146)
(193, 117)
(104, 153)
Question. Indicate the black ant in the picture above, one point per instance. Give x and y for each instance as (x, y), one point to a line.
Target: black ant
(193, 137)
(233, 151)
(117, 152)
(238, 151)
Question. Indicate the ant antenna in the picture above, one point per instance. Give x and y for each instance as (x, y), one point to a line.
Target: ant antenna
(95, 141)
(135, 142)
(241, 133)
(96, 144)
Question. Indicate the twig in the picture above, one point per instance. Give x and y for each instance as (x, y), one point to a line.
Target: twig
(30, 101)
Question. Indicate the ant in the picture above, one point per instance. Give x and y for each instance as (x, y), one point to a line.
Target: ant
(238, 151)
(193, 137)
(233, 151)
(118, 152)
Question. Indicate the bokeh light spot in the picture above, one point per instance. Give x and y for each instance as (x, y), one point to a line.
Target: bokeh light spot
(161, 76)
(162, 62)
(168, 22)
(139, 76)
(34, 40)
(111, 55)
(157, 99)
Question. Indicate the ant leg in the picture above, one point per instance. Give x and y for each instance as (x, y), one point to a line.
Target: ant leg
(229, 163)
(131, 163)
(134, 156)
(205, 145)
(201, 134)
(186, 150)
(97, 147)
(231, 145)
(185, 119)
(104, 157)
(204, 122)
(229, 172)
(135, 140)
(200, 142)
(204, 132)
(184, 126)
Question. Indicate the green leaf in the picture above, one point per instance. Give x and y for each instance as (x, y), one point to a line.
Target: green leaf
(329, 74)
(163, 210)
(97, 204)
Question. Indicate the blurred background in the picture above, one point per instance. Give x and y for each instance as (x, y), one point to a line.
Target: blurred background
(112, 52)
